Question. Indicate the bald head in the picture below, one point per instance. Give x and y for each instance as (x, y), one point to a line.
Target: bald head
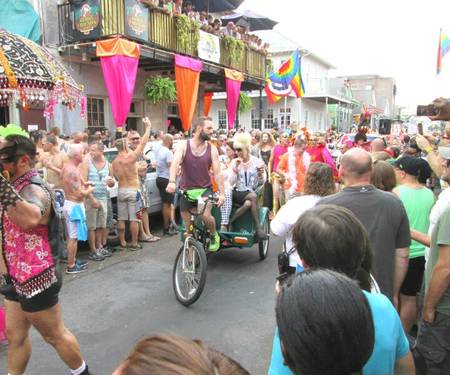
(356, 165)
(377, 145)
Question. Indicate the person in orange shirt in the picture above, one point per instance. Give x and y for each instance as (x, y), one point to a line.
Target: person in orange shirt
(293, 166)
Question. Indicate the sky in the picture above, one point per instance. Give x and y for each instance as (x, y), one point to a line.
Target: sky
(392, 38)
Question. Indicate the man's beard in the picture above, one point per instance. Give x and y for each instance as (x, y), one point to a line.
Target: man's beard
(204, 136)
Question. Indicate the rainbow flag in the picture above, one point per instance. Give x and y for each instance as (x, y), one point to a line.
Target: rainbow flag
(287, 71)
(443, 49)
(297, 83)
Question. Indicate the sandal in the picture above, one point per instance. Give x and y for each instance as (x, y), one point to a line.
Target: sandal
(134, 247)
(152, 238)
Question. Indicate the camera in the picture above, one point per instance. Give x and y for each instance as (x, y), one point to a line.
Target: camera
(284, 269)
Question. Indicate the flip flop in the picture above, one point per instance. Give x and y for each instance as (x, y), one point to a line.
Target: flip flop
(134, 248)
(153, 238)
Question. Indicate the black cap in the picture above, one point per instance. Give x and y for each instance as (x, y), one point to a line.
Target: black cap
(412, 165)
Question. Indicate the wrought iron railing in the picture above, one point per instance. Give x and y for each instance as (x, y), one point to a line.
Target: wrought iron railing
(104, 18)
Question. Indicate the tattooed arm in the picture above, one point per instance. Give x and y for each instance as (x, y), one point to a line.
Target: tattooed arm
(33, 209)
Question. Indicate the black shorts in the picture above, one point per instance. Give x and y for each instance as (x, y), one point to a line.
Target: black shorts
(162, 183)
(186, 205)
(239, 196)
(413, 279)
(40, 302)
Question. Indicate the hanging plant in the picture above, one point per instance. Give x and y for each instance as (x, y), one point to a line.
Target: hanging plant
(188, 34)
(235, 48)
(158, 89)
(245, 103)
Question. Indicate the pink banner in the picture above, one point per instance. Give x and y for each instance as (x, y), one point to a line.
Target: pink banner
(233, 90)
(119, 73)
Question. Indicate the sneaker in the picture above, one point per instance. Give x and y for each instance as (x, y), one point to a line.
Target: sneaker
(105, 252)
(96, 256)
(75, 269)
(82, 263)
(214, 245)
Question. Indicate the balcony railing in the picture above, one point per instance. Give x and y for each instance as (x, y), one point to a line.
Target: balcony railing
(328, 86)
(98, 19)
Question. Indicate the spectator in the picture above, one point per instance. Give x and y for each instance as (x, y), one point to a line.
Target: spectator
(163, 160)
(418, 201)
(175, 355)
(383, 176)
(331, 237)
(97, 171)
(383, 216)
(53, 160)
(339, 312)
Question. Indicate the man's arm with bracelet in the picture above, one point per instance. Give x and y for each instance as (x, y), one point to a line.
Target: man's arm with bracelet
(432, 156)
(176, 162)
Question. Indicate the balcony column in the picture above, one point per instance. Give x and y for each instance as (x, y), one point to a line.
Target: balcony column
(260, 108)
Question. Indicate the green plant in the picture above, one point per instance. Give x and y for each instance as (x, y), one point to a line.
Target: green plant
(236, 49)
(245, 103)
(188, 34)
(158, 88)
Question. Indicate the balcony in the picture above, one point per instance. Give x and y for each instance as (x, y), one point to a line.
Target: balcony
(333, 90)
(152, 27)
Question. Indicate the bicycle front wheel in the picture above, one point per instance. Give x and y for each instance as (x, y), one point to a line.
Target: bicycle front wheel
(189, 272)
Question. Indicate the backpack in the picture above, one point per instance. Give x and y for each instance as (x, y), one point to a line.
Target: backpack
(56, 223)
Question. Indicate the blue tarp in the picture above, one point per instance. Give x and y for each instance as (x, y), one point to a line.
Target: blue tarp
(19, 17)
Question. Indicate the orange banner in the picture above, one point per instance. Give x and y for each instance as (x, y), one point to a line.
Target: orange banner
(207, 99)
(117, 46)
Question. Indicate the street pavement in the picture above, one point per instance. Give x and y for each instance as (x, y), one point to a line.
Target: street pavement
(130, 295)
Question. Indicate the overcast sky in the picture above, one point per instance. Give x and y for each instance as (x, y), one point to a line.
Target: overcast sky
(386, 37)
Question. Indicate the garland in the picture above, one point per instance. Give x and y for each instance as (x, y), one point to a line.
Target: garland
(188, 34)
(12, 80)
(235, 48)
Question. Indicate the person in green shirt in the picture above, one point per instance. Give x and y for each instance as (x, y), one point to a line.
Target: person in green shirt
(418, 201)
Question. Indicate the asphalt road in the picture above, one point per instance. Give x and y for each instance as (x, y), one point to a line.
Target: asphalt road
(130, 295)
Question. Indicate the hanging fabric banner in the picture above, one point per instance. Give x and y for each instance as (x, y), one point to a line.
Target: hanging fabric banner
(187, 77)
(233, 80)
(207, 99)
(119, 60)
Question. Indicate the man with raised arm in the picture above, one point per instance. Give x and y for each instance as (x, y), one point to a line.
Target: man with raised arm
(125, 169)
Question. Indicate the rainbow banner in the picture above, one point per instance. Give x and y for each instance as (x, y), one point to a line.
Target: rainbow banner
(287, 71)
(443, 49)
(286, 79)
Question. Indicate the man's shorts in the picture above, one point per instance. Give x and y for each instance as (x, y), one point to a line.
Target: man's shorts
(127, 204)
(71, 226)
(413, 279)
(40, 302)
(96, 217)
(186, 205)
(162, 183)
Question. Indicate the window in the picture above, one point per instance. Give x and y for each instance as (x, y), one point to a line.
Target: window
(285, 116)
(269, 119)
(255, 119)
(96, 112)
(222, 118)
(306, 118)
(172, 110)
(320, 120)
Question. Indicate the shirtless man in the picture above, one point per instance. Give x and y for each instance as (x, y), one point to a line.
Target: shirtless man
(76, 191)
(125, 169)
(53, 160)
(197, 157)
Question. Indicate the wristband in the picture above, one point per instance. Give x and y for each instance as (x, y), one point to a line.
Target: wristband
(171, 182)
(8, 195)
(428, 149)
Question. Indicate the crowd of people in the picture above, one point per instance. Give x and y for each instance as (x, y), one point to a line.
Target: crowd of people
(365, 285)
(208, 23)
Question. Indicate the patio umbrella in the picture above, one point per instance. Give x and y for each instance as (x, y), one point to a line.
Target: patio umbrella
(250, 19)
(29, 73)
(215, 5)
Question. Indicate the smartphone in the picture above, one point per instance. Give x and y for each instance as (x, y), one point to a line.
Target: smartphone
(420, 128)
(427, 110)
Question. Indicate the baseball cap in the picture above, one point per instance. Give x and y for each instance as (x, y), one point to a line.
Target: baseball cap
(444, 152)
(412, 165)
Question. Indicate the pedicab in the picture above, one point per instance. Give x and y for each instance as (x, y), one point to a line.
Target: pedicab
(190, 267)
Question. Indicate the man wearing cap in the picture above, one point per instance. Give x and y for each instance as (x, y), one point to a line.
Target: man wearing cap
(433, 339)
(418, 201)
